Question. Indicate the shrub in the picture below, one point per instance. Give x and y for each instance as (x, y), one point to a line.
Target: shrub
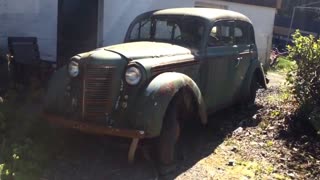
(305, 79)
(27, 142)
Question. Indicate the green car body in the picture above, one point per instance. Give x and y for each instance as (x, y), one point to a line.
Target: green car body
(215, 67)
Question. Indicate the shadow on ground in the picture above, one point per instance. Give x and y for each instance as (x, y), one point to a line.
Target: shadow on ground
(90, 157)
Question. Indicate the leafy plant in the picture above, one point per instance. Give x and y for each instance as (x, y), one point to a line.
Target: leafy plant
(305, 79)
(26, 140)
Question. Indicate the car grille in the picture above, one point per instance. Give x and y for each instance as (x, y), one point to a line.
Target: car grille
(97, 92)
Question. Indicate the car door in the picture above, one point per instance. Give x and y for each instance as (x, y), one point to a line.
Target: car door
(219, 55)
(243, 57)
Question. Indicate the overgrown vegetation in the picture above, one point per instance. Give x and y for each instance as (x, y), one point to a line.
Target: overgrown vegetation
(305, 79)
(25, 139)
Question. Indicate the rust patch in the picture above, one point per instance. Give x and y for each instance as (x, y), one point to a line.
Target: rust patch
(168, 89)
(173, 65)
(93, 129)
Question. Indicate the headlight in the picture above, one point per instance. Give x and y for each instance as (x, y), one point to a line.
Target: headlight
(73, 69)
(133, 75)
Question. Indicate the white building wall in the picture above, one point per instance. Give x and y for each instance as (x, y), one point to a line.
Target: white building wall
(37, 18)
(119, 14)
(261, 17)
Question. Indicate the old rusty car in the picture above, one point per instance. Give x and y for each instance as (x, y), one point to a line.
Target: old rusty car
(175, 65)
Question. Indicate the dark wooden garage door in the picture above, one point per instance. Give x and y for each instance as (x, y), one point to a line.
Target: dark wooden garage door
(77, 28)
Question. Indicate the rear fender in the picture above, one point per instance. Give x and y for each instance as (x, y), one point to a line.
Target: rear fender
(262, 80)
(255, 69)
(153, 103)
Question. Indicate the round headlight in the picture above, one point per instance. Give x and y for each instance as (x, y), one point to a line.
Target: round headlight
(133, 75)
(73, 69)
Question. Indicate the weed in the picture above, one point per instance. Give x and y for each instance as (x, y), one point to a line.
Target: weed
(275, 113)
(285, 65)
(284, 94)
(263, 124)
(253, 169)
(28, 140)
(270, 143)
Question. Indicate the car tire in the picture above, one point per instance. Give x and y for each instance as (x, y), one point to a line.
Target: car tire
(254, 86)
(167, 146)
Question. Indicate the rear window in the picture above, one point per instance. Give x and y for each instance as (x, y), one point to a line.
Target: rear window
(243, 33)
(221, 34)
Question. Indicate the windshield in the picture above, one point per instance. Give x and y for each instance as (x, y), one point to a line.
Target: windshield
(183, 31)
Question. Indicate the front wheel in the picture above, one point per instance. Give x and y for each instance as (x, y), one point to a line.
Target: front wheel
(167, 146)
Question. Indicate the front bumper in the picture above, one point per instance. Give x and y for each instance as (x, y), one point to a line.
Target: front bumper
(93, 129)
(136, 135)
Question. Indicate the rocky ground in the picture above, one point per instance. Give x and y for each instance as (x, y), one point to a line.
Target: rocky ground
(254, 143)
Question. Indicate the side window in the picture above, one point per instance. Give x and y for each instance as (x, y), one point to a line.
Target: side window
(141, 30)
(166, 31)
(221, 35)
(252, 39)
(241, 33)
(163, 31)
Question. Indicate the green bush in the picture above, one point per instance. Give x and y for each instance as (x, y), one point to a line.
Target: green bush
(305, 79)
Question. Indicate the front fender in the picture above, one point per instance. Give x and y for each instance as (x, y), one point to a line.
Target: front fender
(152, 104)
(55, 96)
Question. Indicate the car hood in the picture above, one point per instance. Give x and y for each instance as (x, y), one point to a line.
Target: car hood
(145, 49)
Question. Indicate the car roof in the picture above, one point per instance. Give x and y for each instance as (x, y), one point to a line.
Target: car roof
(210, 14)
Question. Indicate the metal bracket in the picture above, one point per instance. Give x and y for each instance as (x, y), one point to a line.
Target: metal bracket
(132, 149)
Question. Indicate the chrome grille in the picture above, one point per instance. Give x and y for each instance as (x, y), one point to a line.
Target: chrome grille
(97, 92)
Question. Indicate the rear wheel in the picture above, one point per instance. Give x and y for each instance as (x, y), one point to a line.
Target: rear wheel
(254, 86)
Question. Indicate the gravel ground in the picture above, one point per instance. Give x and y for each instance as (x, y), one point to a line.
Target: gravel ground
(237, 144)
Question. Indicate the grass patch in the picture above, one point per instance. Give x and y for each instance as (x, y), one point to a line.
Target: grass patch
(284, 95)
(244, 168)
(284, 65)
(253, 169)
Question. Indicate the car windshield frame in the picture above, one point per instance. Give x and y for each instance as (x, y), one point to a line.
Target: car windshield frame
(178, 23)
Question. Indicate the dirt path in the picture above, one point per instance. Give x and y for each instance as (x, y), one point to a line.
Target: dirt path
(237, 144)
(276, 79)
